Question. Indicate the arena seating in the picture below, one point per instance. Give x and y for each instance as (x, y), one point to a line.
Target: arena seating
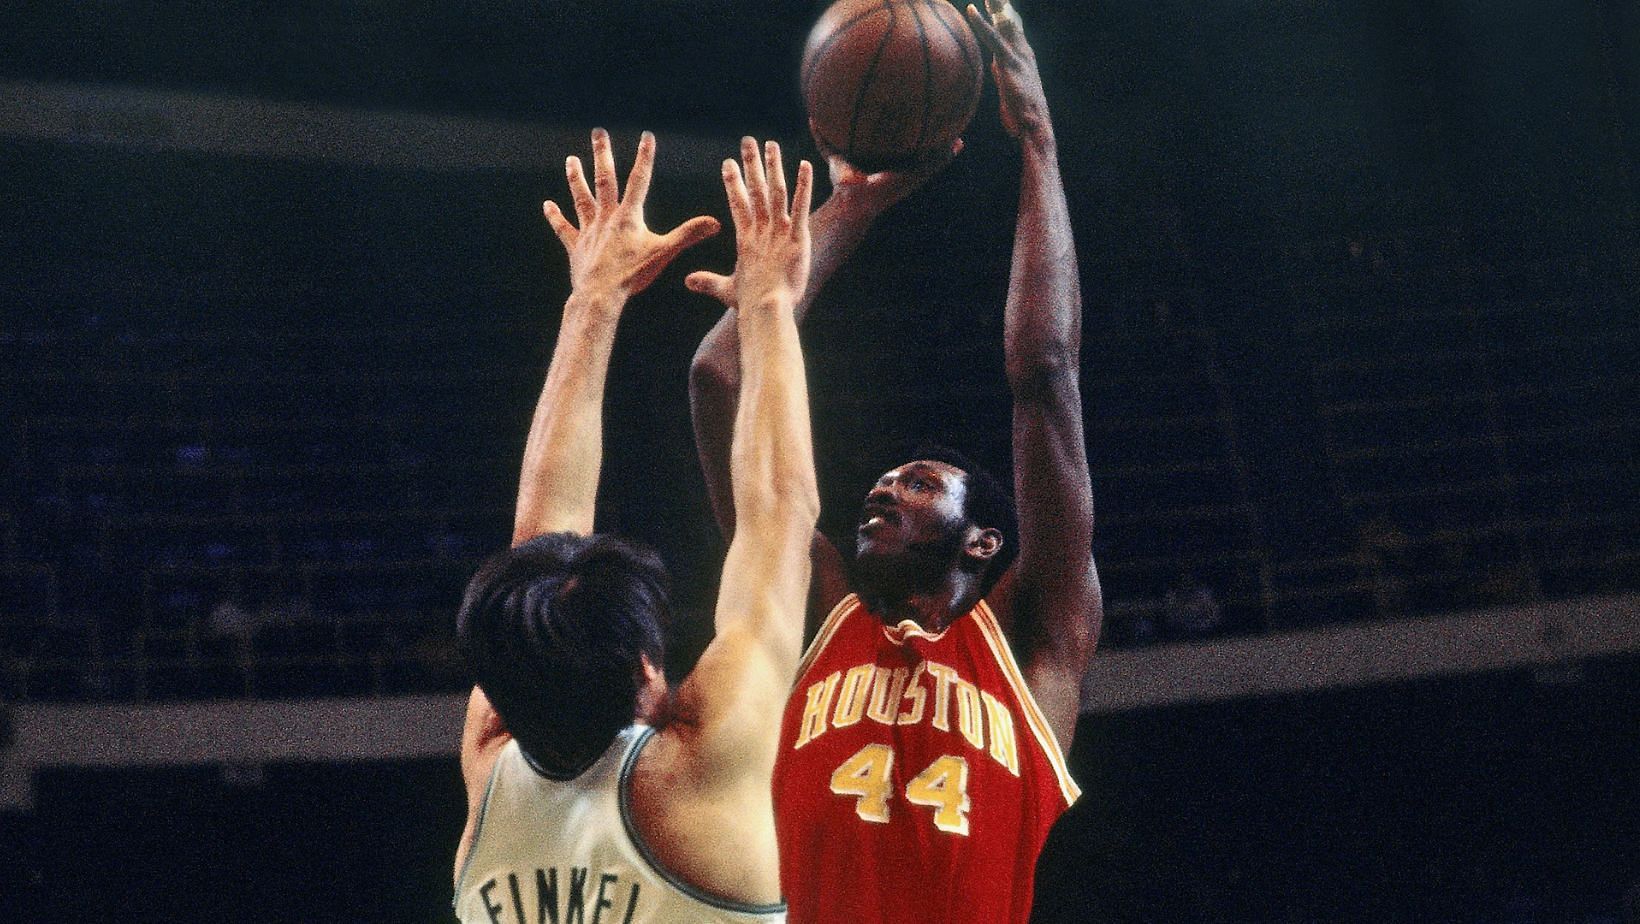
(294, 512)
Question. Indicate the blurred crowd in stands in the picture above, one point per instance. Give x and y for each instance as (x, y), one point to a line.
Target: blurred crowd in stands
(241, 512)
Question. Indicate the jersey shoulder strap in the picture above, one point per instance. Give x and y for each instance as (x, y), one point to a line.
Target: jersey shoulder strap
(991, 631)
(828, 630)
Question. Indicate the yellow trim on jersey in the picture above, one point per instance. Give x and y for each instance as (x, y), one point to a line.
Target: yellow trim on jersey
(828, 628)
(1045, 738)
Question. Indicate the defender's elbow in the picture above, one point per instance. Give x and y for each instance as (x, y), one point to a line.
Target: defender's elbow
(810, 508)
(711, 373)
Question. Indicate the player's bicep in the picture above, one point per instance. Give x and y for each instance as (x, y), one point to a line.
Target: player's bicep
(1054, 578)
(1052, 485)
(734, 697)
(765, 585)
(1057, 657)
(1054, 603)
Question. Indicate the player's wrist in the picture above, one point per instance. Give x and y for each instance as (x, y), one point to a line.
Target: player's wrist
(767, 301)
(596, 299)
(1036, 136)
(857, 203)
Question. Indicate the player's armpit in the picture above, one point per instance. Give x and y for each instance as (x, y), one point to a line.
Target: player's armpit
(482, 734)
(728, 710)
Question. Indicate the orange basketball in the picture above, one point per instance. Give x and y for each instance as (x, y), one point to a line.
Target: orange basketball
(888, 82)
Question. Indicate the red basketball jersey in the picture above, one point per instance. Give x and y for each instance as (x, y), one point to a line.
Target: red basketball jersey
(916, 778)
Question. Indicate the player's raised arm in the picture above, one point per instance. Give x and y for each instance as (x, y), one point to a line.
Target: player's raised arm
(837, 228)
(739, 685)
(1053, 594)
(612, 256)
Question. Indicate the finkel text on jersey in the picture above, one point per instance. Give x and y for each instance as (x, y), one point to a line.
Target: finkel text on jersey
(583, 900)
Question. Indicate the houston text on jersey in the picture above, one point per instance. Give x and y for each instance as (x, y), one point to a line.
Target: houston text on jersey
(930, 691)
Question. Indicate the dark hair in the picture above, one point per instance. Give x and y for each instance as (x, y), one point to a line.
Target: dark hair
(986, 503)
(554, 632)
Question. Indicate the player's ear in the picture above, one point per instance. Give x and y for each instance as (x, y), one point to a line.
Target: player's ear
(650, 672)
(984, 543)
(652, 691)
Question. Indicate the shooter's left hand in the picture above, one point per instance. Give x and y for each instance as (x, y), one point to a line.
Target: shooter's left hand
(1013, 67)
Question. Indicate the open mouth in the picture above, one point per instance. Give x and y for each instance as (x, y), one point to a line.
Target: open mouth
(875, 515)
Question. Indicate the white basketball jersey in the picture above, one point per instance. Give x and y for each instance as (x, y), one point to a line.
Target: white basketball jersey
(567, 852)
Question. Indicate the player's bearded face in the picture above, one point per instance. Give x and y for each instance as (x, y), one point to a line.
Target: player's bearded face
(911, 527)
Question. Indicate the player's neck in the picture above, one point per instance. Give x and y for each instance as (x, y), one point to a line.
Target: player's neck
(932, 609)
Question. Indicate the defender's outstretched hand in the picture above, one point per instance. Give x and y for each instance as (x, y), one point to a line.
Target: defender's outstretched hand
(613, 252)
(1013, 67)
(771, 237)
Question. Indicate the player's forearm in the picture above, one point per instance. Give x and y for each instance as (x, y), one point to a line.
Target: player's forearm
(1043, 330)
(1043, 321)
(558, 485)
(766, 573)
(837, 228)
(775, 490)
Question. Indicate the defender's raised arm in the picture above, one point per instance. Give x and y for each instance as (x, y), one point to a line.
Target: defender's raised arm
(612, 256)
(741, 680)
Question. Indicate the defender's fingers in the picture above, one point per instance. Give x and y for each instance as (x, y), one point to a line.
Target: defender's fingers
(740, 206)
(586, 208)
(777, 178)
(643, 167)
(689, 234)
(716, 285)
(560, 225)
(603, 170)
(802, 193)
(757, 187)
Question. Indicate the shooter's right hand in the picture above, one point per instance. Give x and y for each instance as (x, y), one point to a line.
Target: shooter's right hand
(868, 195)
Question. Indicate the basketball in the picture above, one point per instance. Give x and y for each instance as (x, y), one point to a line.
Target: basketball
(889, 82)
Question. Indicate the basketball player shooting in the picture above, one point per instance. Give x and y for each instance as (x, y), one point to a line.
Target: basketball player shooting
(594, 792)
(921, 757)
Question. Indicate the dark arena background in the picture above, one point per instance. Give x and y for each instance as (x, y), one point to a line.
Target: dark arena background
(1362, 286)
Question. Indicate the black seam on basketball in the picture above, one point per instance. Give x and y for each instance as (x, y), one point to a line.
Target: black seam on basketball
(825, 143)
(973, 66)
(825, 46)
(928, 79)
(866, 78)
